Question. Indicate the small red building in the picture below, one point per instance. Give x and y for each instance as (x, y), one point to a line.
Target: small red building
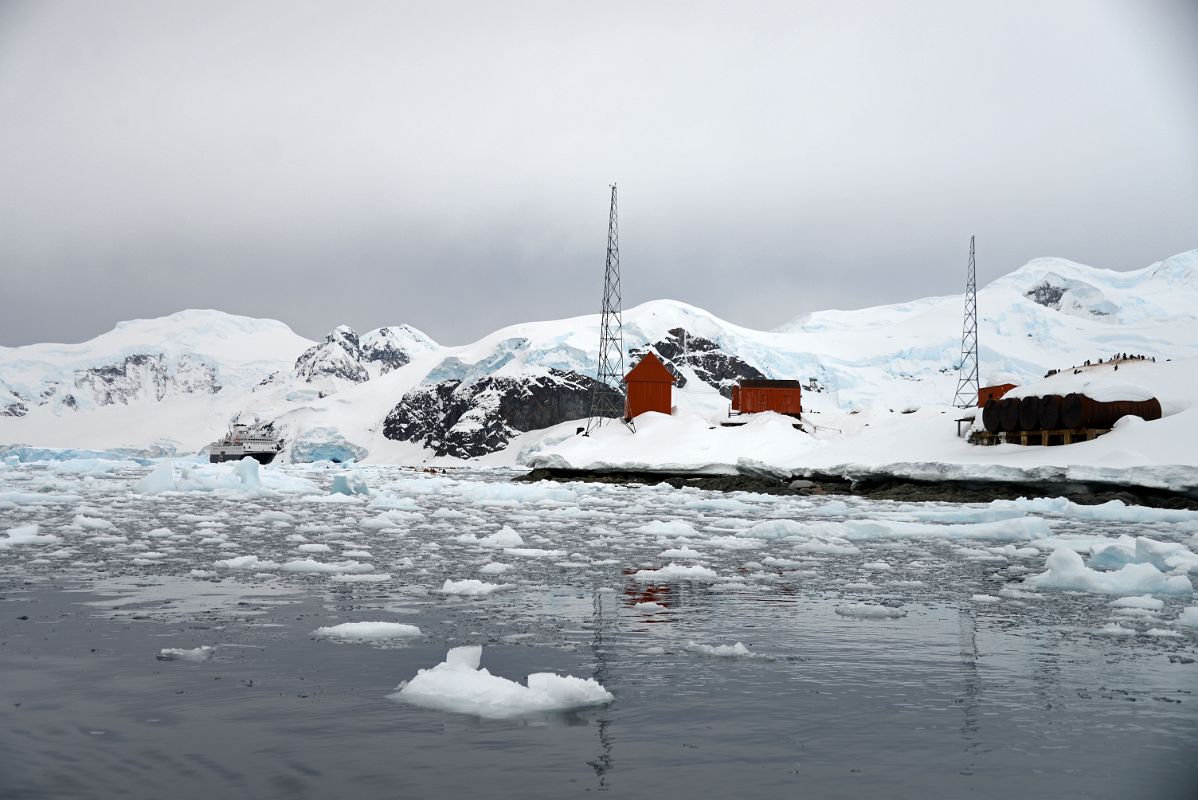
(649, 386)
(993, 392)
(754, 396)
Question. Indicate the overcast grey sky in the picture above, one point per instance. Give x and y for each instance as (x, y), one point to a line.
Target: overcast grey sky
(447, 164)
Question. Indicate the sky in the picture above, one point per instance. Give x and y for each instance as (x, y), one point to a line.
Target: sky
(448, 164)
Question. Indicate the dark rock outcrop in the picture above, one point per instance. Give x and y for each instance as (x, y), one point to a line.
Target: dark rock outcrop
(469, 419)
(338, 356)
(710, 364)
(141, 376)
(385, 348)
(1046, 294)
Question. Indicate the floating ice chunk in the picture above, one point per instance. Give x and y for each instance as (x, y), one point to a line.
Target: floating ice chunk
(202, 573)
(732, 543)
(246, 471)
(674, 527)
(985, 598)
(274, 516)
(91, 523)
(458, 685)
(368, 631)
(202, 653)
(1139, 601)
(876, 566)
(1188, 616)
(388, 519)
(494, 568)
(533, 552)
(350, 483)
(737, 650)
(472, 587)
(246, 562)
(504, 537)
(319, 567)
(26, 534)
(1115, 629)
(1113, 511)
(680, 552)
(775, 529)
(649, 606)
(365, 577)
(870, 611)
(161, 479)
(674, 573)
(1142, 550)
(1164, 632)
(1066, 570)
(314, 548)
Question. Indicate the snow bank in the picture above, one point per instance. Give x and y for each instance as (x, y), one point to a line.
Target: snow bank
(1066, 570)
(459, 685)
(368, 631)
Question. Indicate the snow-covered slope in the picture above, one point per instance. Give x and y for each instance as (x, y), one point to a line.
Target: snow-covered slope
(394, 395)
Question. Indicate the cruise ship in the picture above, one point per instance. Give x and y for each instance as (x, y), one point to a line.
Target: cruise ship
(258, 441)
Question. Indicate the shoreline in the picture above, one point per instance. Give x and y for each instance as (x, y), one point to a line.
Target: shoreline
(879, 486)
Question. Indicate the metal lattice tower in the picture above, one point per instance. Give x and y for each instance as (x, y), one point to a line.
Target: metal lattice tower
(967, 385)
(607, 405)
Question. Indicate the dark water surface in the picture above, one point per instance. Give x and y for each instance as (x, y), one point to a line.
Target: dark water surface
(959, 698)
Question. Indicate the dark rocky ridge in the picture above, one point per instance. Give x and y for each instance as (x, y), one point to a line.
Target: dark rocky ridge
(710, 364)
(1045, 294)
(384, 351)
(124, 380)
(470, 419)
(882, 487)
(338, 356)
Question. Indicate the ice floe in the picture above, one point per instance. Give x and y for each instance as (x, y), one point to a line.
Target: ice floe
(1066, 570)
(368, 631)
(460, 685)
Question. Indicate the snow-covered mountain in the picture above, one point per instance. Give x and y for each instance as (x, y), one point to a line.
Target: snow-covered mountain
(395, 395)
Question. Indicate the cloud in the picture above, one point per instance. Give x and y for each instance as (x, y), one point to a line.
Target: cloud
(448, 166)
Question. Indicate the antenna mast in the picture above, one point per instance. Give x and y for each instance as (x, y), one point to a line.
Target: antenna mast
(967, 385)
(607, 395)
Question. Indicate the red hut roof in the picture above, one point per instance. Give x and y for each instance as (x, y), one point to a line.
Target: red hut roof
(649, 370)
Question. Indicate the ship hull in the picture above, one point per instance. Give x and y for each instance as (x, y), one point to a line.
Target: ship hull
(261, 458)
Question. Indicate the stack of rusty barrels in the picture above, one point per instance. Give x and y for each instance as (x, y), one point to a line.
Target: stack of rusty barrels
(1055, 412)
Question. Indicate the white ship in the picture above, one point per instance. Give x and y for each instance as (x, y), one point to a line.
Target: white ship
(258, 441)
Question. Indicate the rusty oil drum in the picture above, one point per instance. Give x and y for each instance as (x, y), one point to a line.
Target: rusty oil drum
(1009, 414)
(992, 415)
(1029, 414)
(1080, 411)
(1050, 412)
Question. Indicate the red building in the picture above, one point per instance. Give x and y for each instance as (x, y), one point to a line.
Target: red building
(649, 387)
(753, 396)
(993, 392)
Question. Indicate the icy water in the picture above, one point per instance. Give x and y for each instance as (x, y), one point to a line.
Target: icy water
(888, 650)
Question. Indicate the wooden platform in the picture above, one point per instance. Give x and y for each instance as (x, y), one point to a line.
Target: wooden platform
(1042, 438)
